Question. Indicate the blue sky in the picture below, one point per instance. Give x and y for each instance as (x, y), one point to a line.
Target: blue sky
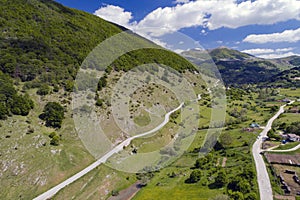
(265, 28)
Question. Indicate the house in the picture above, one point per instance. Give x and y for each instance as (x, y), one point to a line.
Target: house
(254, 125)
(286, 100)
(293, 137)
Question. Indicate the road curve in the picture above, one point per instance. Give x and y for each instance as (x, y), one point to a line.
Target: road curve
(48, 194)
(265, 189)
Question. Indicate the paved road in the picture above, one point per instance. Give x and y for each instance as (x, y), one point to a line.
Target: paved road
(118, 148)
(265, 189)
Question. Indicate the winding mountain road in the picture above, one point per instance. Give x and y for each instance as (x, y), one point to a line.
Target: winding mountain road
(265, 189)
(48, 194)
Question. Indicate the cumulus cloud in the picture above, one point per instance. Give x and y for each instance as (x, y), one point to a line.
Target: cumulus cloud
(266, 51)
(217, 14)
(258, 51)
(278, 55)
(114, 14)
(285, 36)
(271, 53)
(210, 14)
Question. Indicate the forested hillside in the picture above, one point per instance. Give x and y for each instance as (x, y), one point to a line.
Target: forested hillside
(43, 43)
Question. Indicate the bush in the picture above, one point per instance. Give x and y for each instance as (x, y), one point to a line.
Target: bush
(53, 114)
(55, 138)
(114, 193)
(195, 176)
(43, 90)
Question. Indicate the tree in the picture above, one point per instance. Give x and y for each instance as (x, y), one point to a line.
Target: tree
(225, 139)
(21, 105)
(195, 177)
(221, 179)
(55, 138)
(237, 196)
(43, 90)
(200, 162)
(244, 187)
(53, 114)
(251, 196)
(3, 111)
(102, 82)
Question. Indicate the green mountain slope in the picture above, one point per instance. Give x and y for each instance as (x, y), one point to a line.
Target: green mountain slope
(239, 68)
(44, 37)
(287, 78)
(226, 53)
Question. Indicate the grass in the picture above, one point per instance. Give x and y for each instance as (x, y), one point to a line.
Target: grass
(287, 146)
(287, 118)
(163, 187)
(143, 119)
(288, 153)
(290, 93)
(98, 183)
(32, 164)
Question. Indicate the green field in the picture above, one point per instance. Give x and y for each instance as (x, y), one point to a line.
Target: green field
(287, 146)
(290, 92)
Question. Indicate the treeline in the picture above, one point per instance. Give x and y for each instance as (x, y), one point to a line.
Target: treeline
(150, 56)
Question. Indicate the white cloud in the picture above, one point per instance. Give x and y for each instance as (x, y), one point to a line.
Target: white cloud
(266, 51)
(210, 14)
(271, 53)
(278, 55)
(181, 1)
(258, 51)
(284, 49)
(216, 14)
(285, 36)
(114, 14)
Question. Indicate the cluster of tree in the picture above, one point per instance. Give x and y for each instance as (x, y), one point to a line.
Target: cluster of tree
(240, 115)
(294, 127)
(286, 78)
(236, 94)
(194, 177)
(10, 101)
(53, 114)
(272, 134)
(44, 89)
(205, 163)
(145, 56)
(238, 72)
